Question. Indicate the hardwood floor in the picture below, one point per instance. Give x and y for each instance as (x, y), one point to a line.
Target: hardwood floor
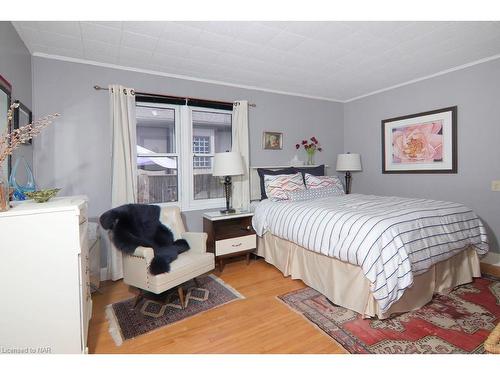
(258, 324)
(490, 269)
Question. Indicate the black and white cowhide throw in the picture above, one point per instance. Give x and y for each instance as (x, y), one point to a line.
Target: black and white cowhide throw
(133, 225)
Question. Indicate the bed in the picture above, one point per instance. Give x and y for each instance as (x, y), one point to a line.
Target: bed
(371, 254)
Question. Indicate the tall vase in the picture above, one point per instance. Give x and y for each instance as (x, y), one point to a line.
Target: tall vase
(310, 158)
(4, 191)
(21, 190)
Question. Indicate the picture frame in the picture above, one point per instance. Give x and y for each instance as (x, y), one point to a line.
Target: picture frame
(424, 142)
(5, 101)
(22, 116)
(272, 140)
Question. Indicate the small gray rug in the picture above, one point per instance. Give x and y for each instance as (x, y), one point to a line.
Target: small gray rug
(157, 311)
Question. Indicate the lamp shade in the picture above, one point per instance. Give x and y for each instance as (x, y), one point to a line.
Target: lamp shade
(228, 164)
(348, 162)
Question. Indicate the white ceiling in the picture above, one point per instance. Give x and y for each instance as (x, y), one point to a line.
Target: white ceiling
(332, 60)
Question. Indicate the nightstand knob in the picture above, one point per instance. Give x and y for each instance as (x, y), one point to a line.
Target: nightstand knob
(247, 228)
(237, 244)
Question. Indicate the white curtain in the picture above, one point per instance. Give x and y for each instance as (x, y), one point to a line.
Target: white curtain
(241, 184)
(124, 161)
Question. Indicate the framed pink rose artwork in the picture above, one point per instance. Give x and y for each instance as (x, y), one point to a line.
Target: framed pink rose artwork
(421, 143)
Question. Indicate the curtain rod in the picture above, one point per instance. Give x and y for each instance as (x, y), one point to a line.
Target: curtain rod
(97, 87)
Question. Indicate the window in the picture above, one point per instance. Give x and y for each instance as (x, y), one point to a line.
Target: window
(211, 133)
(157, 159)
(201, 145)
(175, 148)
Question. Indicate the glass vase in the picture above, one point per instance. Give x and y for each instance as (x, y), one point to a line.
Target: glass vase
(4, 191)
(310, 158)
(20, 191)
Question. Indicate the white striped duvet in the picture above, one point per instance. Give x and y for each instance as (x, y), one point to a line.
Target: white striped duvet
(392, 239)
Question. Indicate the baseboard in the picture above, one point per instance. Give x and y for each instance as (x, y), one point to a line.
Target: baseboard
(490, 269)
(104, 274)
(490, 264)
(492, 259)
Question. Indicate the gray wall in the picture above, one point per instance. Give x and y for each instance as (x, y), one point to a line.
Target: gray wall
(75, 152)
(476, 92)
(15, 67)
(15, 63)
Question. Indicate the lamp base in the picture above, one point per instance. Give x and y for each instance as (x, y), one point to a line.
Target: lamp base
(348, 180)
(227, 193)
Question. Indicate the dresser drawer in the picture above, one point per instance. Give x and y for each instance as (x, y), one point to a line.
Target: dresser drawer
(236, 244)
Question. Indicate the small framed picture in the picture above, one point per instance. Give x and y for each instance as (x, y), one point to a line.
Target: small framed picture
(272, 141)
(421, 143)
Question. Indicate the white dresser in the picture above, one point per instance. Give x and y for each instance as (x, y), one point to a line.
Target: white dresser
(44, 277)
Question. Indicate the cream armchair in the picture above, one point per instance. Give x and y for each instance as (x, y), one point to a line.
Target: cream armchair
(190, 264)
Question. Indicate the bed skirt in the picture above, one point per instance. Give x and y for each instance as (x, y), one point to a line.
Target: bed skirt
(345, 285)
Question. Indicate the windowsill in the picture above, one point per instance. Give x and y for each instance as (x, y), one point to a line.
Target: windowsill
(195, 206)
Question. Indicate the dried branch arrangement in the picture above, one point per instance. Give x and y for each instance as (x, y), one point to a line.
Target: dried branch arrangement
(10, 141)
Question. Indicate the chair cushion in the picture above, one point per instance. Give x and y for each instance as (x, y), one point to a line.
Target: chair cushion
(171, 218)
(187, 266)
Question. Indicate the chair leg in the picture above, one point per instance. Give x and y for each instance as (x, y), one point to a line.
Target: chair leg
(181, 296)
(139, 298)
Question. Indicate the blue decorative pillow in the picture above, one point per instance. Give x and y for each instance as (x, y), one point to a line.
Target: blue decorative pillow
(316, 193)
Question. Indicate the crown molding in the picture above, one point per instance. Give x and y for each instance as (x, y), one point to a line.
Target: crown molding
(178, 76)
(460, 67)
(256, 88)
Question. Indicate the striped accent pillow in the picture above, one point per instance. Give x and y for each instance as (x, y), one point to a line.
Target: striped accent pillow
(279, 187)
(319, 182)
(308, 194)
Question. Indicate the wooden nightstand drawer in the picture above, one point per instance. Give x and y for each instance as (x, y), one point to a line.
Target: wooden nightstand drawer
(236, 244)
(225, 229)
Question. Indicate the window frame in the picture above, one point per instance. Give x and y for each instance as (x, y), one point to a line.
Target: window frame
(175, 154)
(200, 204)
(183, 126)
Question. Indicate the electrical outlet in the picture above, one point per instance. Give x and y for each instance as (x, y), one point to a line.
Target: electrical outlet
(495, 185)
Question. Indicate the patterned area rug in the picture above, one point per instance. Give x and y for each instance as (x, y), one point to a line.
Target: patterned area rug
(154, 312)
(458, 322)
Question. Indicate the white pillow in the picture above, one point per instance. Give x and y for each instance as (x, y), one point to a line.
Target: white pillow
(320, 182)
(278, 187)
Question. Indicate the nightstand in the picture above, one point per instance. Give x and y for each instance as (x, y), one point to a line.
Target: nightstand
(229, 235)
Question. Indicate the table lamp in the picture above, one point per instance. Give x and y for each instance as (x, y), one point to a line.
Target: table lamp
(348, 163)
(227, 164)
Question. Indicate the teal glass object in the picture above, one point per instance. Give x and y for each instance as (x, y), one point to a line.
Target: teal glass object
(21, 190)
